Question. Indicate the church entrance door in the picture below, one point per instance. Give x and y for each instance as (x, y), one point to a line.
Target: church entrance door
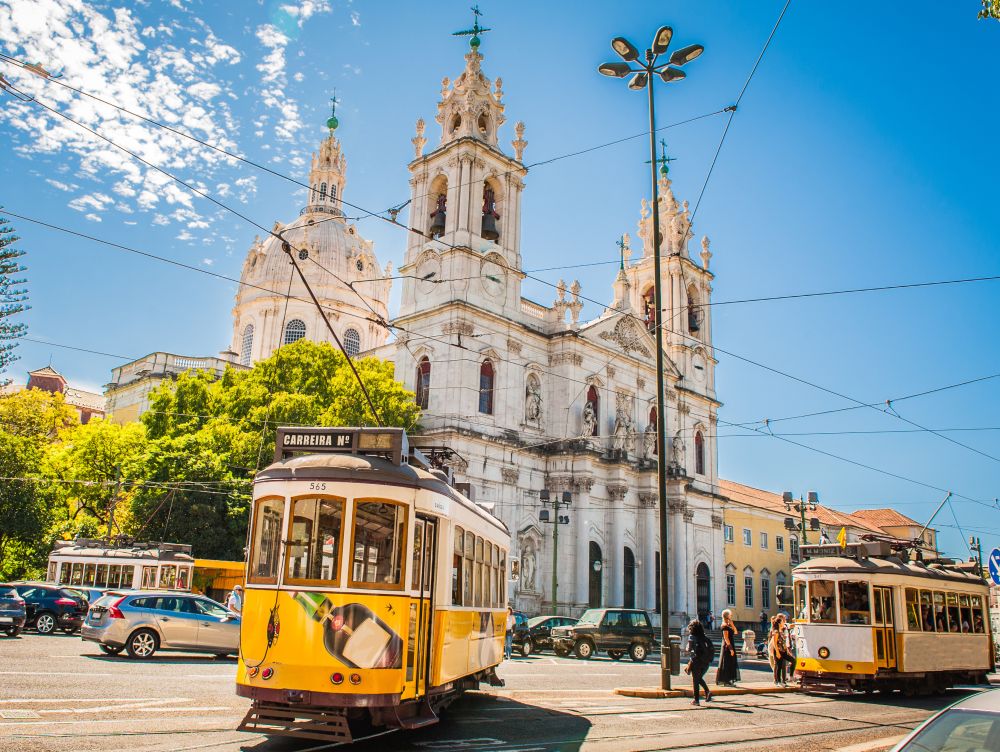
(629, 577)
(703, 589)
(596, 575)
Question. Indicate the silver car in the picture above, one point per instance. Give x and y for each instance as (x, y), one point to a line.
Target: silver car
(143, 622)
(970, 725)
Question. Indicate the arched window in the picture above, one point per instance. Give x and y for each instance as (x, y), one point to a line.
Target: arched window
(423, 389)
(699, 453)
(730, 585)
(333, 192)
(322, 192)
(748, 587)
(649, 308)
(294, 331)
(594, 399)
(793, 549)
(596, 584)
(247, 345)
(652, 427)
(352, 343)
(694, 312)
(765, 589)
(487, 378)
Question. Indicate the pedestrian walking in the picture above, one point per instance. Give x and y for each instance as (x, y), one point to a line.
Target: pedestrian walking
(235, 600)
(778, 650)
(729, 668)
(702, 651)
(764, 621)
(710, 621)
(508, 643)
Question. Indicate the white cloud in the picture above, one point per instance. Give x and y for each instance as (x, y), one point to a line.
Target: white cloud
(185, 235)
(355, 18)
(207, 261)
(61, 185)
(93, 217)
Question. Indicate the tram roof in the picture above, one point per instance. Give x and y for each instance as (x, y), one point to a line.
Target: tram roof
(897, 567)
(356, 468)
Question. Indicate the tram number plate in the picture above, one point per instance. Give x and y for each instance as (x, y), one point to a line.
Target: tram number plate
(317, 486)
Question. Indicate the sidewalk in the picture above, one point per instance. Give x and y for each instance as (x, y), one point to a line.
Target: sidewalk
(744, 688)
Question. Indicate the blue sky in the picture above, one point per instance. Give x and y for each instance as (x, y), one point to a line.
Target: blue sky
(862, 154)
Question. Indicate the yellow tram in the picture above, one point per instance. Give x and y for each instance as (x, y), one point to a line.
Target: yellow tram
(375, 593)
(866, 620)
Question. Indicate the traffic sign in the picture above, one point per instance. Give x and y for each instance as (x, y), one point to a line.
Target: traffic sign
(995, 565)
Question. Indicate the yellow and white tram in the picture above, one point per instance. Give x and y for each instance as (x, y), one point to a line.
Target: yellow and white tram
(375, 593)
(867, 620)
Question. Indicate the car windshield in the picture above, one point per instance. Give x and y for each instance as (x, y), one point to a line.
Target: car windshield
(591, 616)
(6, 591)
(534, 621)
(957, 731)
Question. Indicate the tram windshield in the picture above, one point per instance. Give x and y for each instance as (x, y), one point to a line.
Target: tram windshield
(822, 602)
(855, 603)
(379, 534)
(266, 545)
(314, 551)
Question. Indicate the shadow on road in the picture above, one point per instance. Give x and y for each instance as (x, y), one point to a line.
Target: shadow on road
(476, 722)
(164, 659)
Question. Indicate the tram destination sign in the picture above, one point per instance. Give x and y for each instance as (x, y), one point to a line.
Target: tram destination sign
(391, 442)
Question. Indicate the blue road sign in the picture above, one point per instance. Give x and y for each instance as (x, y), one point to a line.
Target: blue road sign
(995, 565)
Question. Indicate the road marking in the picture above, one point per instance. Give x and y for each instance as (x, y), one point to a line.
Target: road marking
(83, 699)
(210, 676)
(79, 674)
(122, 706)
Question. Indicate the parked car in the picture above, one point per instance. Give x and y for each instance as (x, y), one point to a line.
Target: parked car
(143, 622)
(50, 607)
(521, 633)
(12, 611)
(972, 723)
(537, 635)
(90, 594)
(615, 630)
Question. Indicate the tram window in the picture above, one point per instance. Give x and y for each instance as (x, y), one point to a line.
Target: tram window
(963, 602)
(102, 576)
(912, 610)
(855, 603)
(88, 574)
(469, 570)
(954, 617)
(822, 595)
(379, 534)
(128, 576)
(114, 575)
(76, 574)
(168, 576)
(503, 579)
(53, 567)
(926, 611)
(456, 568)
(314, 554)
(978, 624)
(266, 547)
(478, 584)
(418, 550)
(801, 606)
(940, 617)
(183, 580)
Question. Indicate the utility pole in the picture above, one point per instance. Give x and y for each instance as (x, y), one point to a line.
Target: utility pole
(976, 545)
(556, 520)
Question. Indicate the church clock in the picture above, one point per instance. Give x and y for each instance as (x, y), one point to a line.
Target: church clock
(494, 278)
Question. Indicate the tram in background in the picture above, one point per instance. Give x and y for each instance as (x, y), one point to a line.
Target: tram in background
(136, 566)
(376, 593)
(868, 618)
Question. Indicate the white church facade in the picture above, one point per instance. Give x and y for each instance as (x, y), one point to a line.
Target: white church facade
(529, 397)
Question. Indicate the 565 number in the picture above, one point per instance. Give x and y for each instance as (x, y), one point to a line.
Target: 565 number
(317, 486)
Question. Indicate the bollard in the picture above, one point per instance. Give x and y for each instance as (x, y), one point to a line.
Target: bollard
(675, 655)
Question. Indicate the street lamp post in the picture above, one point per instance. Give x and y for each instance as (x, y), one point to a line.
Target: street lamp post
(642, 78)
(556, 520)
(976, 546)
(801, 507)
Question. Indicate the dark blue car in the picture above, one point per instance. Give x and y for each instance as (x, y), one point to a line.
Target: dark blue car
(12, 611)
(52, 607)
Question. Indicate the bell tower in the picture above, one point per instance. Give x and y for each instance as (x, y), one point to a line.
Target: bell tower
(465, 198)
(328, 172)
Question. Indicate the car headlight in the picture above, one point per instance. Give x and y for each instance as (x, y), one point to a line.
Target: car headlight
(823, 652)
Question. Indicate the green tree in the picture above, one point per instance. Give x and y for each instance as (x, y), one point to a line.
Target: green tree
(990, 9)
(24, 513)
(13, 296)
(36, 414)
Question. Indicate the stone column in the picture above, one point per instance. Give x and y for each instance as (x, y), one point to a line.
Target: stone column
(651, 521)
(677, 560)
(615, 555)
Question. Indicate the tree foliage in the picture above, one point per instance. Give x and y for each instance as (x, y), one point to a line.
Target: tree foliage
(13, 295)
(36, 414)
(990, 9)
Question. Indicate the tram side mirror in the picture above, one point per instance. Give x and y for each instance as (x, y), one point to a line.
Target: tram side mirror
(515, 570)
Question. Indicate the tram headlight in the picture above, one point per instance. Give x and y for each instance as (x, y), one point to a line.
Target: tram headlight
(823, 653)
(355, 678)
(267, 673)
(337, 678)
(252, 671)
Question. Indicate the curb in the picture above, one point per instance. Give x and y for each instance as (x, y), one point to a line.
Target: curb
(655, 694)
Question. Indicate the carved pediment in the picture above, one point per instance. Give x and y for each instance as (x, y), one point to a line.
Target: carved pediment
(630, 337)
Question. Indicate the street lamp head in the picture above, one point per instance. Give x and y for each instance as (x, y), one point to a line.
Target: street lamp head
(625, 49)
(615, 70)
(638, 81)
(813, 498)
(787, 498)
(672, 74)
(662, 40)
(685, 55)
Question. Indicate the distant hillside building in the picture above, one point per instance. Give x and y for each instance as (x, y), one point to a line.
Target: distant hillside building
(87, 404)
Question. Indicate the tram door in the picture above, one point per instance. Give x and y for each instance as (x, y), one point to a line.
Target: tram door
(885, 631)
(420, 643)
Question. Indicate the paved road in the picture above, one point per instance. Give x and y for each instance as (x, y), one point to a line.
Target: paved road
(60, 694)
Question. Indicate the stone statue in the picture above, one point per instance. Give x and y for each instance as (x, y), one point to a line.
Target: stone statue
(528, 569)
(677, 450)
(533, 402)
(630, 438)
(649, 441)
(589, 419)
(620, 438)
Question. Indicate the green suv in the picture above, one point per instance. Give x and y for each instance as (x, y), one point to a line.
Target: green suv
(615, 630)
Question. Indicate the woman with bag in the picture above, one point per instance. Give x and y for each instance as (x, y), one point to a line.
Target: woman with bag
(700, 649)
(729, 667)
(778, 650)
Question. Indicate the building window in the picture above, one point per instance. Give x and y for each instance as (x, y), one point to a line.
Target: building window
(730, 586)
(333, 192)
(782, 593)
(765, 590)
(352, 343)
(247, 345)
(763, 540)
(423, 386)
(699, 453)
(594, 400)
(322, 192)
(779, 544)
(486, 383)
(747, 537)
(649, 308)
(294, 331)
(748, 587)
(727, 533)
(693, 312)
(653, 427)
(793, 543)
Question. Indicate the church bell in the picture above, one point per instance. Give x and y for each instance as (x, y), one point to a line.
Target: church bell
(490, 216)
(490, 227)
(437, 218)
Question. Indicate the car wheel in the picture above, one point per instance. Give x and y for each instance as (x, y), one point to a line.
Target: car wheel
(527, 648)
(142, 644)
(637, 652)
(561, 652)
(615, 655)
(13, 631)
(45, 623)
(584, 649)
(111, 649)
